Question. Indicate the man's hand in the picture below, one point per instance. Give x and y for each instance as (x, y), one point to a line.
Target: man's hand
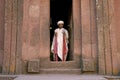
(55, 33)
(63, 33)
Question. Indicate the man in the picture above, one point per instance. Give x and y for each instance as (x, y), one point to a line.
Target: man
(60, 43)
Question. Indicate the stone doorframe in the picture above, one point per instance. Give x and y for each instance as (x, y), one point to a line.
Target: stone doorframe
(75, 64)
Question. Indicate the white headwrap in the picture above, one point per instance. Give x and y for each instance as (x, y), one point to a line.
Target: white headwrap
(60, 22)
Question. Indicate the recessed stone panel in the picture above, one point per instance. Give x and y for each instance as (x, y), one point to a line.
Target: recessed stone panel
(88, 65)
(34, 11)
(33, 66)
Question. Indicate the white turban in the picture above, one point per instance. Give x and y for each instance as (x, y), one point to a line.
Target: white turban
(60, 22)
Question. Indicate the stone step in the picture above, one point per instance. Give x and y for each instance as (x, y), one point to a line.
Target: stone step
(112, 77)
(60, 77)
(66, 64)
(7, 77)
(60, 71)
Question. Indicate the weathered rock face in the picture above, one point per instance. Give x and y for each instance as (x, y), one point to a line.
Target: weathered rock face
(25, 36)
(2, 7)
(108, 45)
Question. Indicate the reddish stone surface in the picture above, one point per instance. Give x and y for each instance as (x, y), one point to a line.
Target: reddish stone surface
(88, 65)
(2, 7)
(18, 69)
(76, 16)
(44, 29)
(94, 41)
(77, 30)
(115, 22)
(108, 36)
(13, 38)
(112, 37)
(107, 43)
(35, 30)
(27, 35)
(7, 36)
(30, 30)
(86, 29)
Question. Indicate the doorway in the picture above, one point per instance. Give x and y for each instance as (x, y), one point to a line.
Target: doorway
(61, 10)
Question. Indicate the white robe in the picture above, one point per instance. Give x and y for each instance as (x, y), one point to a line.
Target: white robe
(60, 41)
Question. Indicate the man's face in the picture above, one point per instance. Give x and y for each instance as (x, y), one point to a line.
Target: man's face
(60, 25)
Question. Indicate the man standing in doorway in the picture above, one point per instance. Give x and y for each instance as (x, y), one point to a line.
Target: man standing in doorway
(60, 43)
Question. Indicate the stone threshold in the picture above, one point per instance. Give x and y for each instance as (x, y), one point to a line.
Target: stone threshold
(60, 71)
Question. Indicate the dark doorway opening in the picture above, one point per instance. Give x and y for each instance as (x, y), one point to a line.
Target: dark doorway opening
(61, 10)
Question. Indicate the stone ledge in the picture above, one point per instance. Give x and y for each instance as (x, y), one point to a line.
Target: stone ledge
(60, 71)
(7, 78)
(112, 77)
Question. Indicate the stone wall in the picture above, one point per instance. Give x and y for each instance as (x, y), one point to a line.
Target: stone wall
(25, 34)
(108, 39)
(12, 28)
(2, 7)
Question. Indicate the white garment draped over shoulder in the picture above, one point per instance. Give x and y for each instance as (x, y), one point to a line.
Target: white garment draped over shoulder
(60, 41)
